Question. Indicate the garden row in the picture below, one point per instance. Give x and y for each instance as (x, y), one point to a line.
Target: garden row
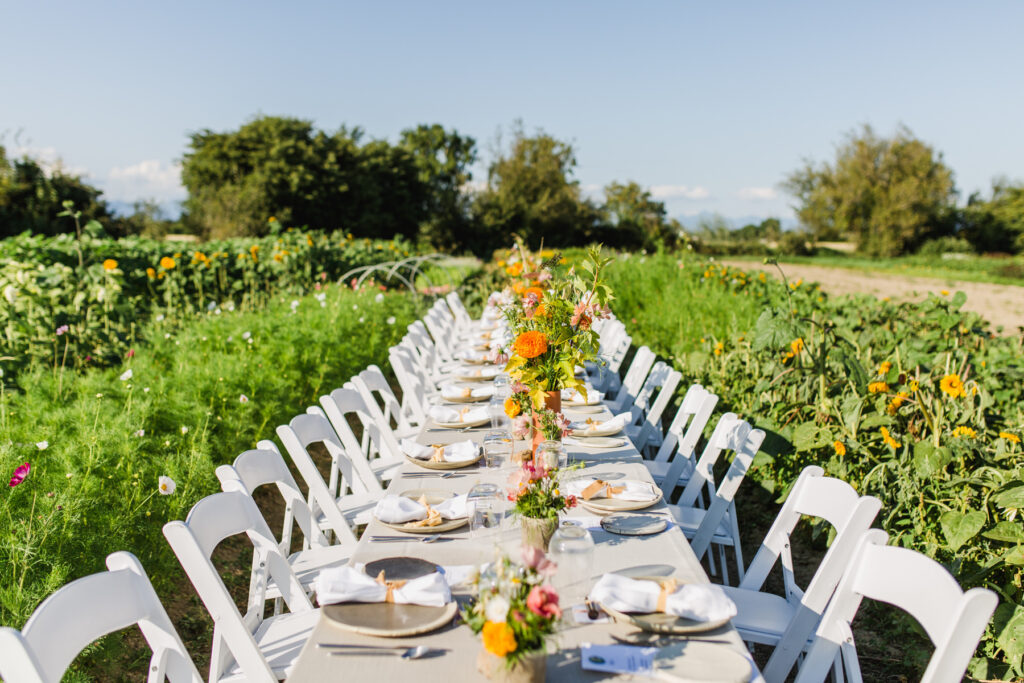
(81, 302)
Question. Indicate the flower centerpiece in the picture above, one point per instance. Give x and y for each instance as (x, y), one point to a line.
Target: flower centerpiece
(534, 489)
(551, 317)
(514, 611)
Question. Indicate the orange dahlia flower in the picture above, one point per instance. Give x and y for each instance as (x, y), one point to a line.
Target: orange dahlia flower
(531, 344)
(499, 639)
(536, 291)
(512, 408)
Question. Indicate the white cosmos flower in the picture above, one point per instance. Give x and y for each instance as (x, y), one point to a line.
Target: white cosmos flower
(166, 486)
(362, 319)
(141, 433)
(167, 335)
(126, 375)
(160, 317)
(246, 335)
(379, 297)
(145, 390)
(322, 296)
(497, 609)
(42, 445)
(391, 320)
(243, 399)
(184, 429)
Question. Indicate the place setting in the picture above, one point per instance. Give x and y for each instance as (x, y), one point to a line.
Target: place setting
(421, 511)
(462, 393)
(467, 417)
(610, 494)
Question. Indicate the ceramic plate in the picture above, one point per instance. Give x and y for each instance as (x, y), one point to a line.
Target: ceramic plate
(470, 377)
(604, 506)
(634, 525)
(467, 399)
(601, 431)
(585, 409)
(388, 620)
(663, 623)
(598, 442)
(434, 496)
(463, 425)
(400, 568)
(446, 465)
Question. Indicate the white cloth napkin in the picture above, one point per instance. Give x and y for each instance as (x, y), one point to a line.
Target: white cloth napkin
(697, 601)
(456, 392)
(572, 395)
(400, 509)
(481, 373)
(613, 425)
(448, 415)
(632, 490)
(348, 584)
(462, 451)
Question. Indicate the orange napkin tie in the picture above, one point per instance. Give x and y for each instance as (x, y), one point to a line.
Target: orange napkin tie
(392, 586)
(668, 587)
(438, 455)
(595, 488)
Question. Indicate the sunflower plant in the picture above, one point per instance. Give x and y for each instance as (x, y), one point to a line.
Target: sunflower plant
(551, 314)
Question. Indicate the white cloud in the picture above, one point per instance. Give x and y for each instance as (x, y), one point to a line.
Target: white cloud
(757, 193)
(679, 192)
(150, 179)
(48, 159)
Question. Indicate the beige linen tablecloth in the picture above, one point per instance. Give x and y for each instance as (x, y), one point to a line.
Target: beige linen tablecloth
(667, 553)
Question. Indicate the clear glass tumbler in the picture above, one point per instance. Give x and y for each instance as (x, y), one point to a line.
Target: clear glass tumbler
(485, 505)
(572, 549)
(497, 448)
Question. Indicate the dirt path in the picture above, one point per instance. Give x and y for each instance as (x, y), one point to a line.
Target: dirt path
(999, 304)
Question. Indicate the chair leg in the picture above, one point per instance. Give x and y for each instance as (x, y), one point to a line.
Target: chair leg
(725, 565)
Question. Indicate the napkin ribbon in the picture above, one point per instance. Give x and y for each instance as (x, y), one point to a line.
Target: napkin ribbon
(668, 587)
(596, 486)
(438, 456)
(392, 586)
(433, 517)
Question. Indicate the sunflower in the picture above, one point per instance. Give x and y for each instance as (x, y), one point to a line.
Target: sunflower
(797, 345)
(840, 448)
(965, 432)
(150, 273)
(878, 387)
(952, 385)
(167, 263)
(1012, 438)
(884, 368)
(109, 264)
(531, 344)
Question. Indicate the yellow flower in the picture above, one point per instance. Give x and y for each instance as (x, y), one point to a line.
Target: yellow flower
(797, 345)
(150, 273)
(839, 448)
(884, 367)
(512, 409)
(887, 438)
(499, 639)
(914, 386)
(719, 347)
(952, 385)
(964, 431)
(944, 292)
(167, 263)
(109, 264)
(515, 269)
(896, 402)
(878, 387)
(1012, 438)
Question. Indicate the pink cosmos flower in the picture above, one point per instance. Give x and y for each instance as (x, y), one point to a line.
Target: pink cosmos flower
(534, 558)
(19, 474)
(521, 427)
(543, 601)
(130, 354)
(63, 329)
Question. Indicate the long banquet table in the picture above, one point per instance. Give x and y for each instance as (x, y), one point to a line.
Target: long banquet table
(663, 554)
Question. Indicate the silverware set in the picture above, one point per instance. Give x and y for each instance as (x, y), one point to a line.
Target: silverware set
(424, 475)
(395, 539)
(403, 651)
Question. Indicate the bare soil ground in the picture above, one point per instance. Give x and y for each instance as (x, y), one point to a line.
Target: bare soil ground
(1001, 305)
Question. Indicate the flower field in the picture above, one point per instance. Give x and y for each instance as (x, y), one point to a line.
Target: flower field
(917, 404)
(79, 303)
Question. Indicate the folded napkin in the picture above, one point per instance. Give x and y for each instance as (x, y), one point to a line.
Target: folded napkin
(481, 373)
(588, 488)
(700, 602)
(589, 426)
(457, 392)
(462, 451)
(449, 415)
(572, 395)
(472, 355)
(348, 584)
(417, 513)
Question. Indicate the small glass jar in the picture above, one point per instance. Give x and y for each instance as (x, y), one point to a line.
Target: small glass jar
(551, 454)
(572, 549)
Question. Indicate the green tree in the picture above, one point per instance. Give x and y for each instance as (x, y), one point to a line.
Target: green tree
(283, 167)
(442, 159)
(889, 195)
(530, 191)
(31, 198)
(636, 217)
(996, 225)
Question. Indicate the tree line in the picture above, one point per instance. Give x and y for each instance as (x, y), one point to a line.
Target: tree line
(889, 195)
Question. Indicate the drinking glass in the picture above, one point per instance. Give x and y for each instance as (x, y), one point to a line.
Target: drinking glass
(572, 549)
(496, 411)
(497, 448)
(485, 505)
(552, 454)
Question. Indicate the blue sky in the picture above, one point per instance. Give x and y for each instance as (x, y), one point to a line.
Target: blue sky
(709, 104)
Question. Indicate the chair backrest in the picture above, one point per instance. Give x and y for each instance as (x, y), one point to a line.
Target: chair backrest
(458, 309)
(380, 400)
(341, 403)
(687, 426)
(641, 364)
(731, 433)
(193, 541)
(412, 381)
(296, 436)
(953, 619)
(85, 609)
(834, 501)
(428, 351)
(653, 399)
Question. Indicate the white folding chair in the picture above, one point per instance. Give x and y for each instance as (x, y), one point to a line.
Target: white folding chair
(676, 458)
(260, 467)
(380, 447)
(250, 647)
(953, 619)
(356, 491)
(77, 614)
(381, 403)
(641, 364)
(649, 405)
(713, 526)
(462, 318)
(788, 622)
